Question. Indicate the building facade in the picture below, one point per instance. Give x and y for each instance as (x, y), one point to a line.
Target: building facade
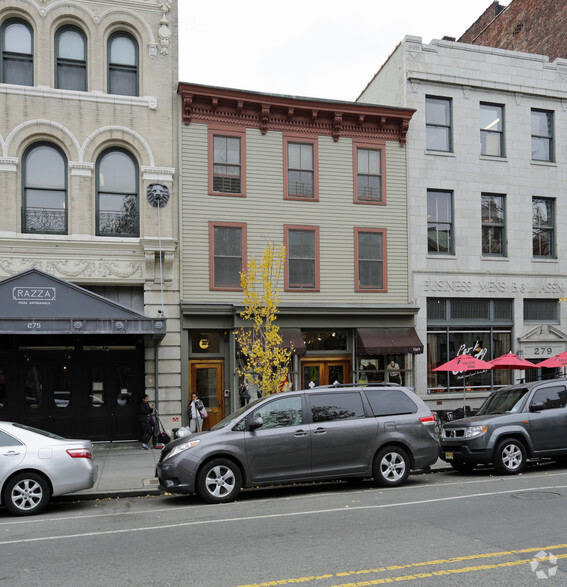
(328, 181)
(487, 163)
(89, 230)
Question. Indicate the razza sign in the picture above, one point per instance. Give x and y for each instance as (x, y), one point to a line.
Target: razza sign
(34, 295)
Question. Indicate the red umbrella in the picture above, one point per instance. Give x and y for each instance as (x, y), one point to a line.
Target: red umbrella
(464, 363)
(511, 361)
(557, 361)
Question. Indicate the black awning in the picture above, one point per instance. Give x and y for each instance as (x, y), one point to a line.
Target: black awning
(292, 338)
(382, 341)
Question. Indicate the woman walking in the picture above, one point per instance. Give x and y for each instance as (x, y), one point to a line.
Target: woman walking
(145, 410)
(194, 411)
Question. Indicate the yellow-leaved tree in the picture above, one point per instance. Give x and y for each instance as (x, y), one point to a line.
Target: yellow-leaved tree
(264, 362)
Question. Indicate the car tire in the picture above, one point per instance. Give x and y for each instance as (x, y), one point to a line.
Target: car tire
(462, 467)
(26, 494)
(219, 481)
(510, 457)
(391, 466)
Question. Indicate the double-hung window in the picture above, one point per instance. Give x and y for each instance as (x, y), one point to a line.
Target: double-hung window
(226, 162)
(117, 207)
(369, 176)
(122, 64)
(440, 222)
(44, 198)
(227, 246)
(16, 44)
(492, 130)
(438, 124)
(302, 259)
(370, 259)
(70, 59)
(301, 169)
(543, 227)
(542, 136)
(493, 224)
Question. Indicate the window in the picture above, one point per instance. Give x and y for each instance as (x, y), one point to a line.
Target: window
(122, 65)
(226, 162)
(368, 176)
(438, 124)
(70, 59)
(542, 136)
(550, 398)
(492, 130)
(389, 402)
(300, 161)
(541, 310)
(370, 259)
(439, 221)
(44, 198)
(227, 242)
(281, 413)
(17, 52)
(543, 227)
(327, 407)
(117, 194)
(302, 259)
(493, 240)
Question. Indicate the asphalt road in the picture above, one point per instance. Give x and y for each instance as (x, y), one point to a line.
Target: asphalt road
(441, 528)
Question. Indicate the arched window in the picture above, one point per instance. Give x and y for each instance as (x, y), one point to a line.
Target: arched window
(117, 194)
(16, 39)
(122, 65)
(44, 198)
(70, 59)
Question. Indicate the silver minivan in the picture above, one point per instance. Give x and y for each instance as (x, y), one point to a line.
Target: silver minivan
(337, 432)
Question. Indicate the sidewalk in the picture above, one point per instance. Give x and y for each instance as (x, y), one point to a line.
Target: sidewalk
(125, 470)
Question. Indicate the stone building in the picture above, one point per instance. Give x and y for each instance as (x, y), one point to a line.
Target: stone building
(89, 225)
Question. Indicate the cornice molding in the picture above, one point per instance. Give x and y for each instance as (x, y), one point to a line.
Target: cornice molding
(268, 112)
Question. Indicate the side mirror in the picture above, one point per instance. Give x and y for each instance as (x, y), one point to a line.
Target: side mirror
(255, 422)
(536, 407)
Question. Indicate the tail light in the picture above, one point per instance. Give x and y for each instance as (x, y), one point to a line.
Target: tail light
(428, 419)
(80, 453)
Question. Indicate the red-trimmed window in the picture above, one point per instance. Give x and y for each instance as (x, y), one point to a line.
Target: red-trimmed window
(226, 162)
(302, 259)
(301, 181)
(369, 183)
(370, 259)
(227, 250)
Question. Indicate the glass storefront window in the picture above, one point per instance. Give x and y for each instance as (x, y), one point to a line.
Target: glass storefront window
(33, 388)
(383, 368)
(62, 388)
(123, 385)
(96, 387)
(325, 340)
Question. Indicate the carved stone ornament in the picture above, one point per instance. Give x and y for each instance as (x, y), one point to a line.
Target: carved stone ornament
(157, 195)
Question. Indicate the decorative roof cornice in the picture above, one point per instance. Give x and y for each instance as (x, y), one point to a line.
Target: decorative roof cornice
(207, 104)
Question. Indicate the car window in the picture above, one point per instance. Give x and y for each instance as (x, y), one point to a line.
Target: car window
(285, 411)
(38, 431)
(387, 402)
(7, 440)
(502, 401)
(326, 407)
(549, 398)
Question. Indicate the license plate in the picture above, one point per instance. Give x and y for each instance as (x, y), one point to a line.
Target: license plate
(449, 455)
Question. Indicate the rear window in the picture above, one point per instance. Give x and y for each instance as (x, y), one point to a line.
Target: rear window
(327, 407)
(389, 402)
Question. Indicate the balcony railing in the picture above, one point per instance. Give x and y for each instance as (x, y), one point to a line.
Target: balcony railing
(113, 223)
(44, 220)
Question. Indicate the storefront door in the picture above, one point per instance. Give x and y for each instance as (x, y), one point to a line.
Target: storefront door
(207, 380)
(325, 371)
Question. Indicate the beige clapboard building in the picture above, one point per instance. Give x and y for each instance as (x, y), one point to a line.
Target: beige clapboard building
(89, 223)
(328, 180)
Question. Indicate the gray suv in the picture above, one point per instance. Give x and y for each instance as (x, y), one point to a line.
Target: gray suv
(516, 423)
(347, 431)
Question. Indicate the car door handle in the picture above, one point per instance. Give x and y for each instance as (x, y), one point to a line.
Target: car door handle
(320, 431)
(11, 453)
(300, 433)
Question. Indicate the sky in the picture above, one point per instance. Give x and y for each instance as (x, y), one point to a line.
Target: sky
(310, 48)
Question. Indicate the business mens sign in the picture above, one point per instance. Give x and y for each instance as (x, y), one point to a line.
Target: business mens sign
(34, 295)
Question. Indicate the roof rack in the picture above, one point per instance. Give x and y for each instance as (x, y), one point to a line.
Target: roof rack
(367, 384)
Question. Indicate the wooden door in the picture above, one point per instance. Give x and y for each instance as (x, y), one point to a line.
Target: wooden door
(325, 371)
(207, 380)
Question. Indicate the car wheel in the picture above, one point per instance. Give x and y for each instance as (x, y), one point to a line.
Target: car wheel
(462, 467)
(391, 466)
(27, 494)
(510, 457)
(219, 481)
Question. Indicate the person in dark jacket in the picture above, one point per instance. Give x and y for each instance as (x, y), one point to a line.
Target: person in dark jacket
(145, 411)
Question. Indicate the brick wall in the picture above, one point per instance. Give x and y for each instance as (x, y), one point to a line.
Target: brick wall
(530, 26)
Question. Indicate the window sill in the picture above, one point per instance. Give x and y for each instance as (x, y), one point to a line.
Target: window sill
(544, 163)
(493, 158)
(440, 153)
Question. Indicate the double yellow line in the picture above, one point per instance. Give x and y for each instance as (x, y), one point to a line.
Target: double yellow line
(552, 553)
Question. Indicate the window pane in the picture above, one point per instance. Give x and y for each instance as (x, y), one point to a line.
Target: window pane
(123, 83)
(17, 38)
(438, 139)
(438, 111)
(227, 256)
(123, 51)
(491, 117)
(386, 402)
(281, 412)
(117, 173)
(326, 407)
(541, 310)
(71, 45)
(541, 123)
(45, 167)
(301, 253)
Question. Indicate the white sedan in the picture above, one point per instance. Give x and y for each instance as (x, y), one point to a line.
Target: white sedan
(36, 465)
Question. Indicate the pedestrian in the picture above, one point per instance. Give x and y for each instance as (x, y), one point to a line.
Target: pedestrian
(145, 411)
(194, 411)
